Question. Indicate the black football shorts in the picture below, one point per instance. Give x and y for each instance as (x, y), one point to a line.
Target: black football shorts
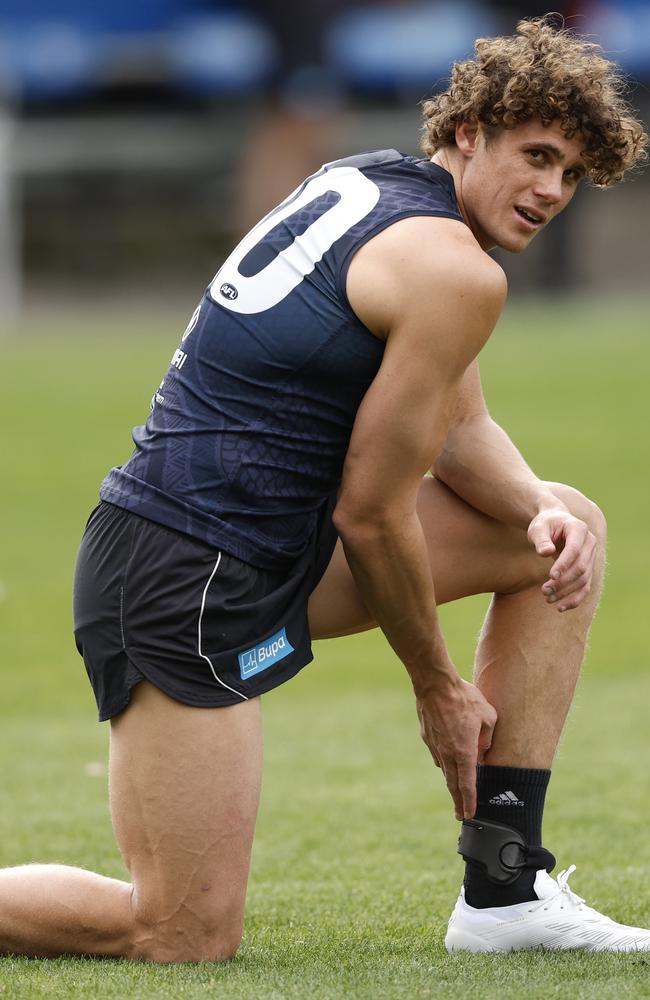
(206, 628)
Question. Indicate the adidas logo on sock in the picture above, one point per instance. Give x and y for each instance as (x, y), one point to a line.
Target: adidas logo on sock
(506, 799)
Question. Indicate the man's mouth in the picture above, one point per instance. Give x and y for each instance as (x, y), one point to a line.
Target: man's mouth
(530, 216)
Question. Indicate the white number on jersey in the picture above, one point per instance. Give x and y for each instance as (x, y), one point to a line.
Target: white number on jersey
(261, 291)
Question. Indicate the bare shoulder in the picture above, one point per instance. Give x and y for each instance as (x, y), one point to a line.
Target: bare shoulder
(423, 266)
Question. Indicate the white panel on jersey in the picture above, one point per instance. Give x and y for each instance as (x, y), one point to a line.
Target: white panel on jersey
(192, 323)
(262, 291)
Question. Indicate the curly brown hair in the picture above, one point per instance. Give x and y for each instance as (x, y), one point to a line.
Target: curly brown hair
(548, 72)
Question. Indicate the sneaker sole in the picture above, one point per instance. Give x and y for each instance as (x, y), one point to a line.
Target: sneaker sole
(457, 940)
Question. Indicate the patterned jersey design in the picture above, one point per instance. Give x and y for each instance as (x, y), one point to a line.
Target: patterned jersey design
(249, 429)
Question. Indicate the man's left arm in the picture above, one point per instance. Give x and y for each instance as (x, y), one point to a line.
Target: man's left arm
(481, 465)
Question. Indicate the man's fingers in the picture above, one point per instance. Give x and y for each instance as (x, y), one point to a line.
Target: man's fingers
(467, 787)
(583, 563)
(564, 562)
(485, 739)
(457, 734)
(580, 543)
(450, 772)
(581, 582)
(539, 536)
(577, 546)
(460, 776)
(567, 603)
(488, 724)
(576, 578)
(461, 782)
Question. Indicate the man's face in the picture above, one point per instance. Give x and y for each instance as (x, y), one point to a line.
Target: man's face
(514, 183)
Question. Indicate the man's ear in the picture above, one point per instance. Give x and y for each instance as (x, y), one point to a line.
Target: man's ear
(467, 137)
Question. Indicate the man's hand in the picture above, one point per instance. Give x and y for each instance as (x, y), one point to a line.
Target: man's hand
(557, 531)
(457, 725)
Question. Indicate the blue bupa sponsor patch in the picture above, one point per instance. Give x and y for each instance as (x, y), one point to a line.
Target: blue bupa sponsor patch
(265, 654)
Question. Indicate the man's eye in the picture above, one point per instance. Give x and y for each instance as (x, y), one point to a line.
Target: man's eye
(537, 154)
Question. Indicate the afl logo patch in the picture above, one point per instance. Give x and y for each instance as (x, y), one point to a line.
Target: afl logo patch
(229, 291)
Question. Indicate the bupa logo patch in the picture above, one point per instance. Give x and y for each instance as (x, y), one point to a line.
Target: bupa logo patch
(265, 654)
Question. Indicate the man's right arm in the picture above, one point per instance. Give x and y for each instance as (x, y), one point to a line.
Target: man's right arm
(435, 296)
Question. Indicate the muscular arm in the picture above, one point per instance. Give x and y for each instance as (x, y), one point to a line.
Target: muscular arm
(435, 296)
(480, 463)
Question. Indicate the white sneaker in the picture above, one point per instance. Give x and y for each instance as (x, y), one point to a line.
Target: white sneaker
(557, 919)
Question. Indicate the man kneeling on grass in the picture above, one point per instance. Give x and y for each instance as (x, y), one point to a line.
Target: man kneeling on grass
(276, 496)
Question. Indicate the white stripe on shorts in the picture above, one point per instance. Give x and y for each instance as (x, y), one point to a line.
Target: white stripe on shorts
(200, 651)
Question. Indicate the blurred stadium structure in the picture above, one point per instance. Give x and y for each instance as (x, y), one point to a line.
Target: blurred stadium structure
(137, 139)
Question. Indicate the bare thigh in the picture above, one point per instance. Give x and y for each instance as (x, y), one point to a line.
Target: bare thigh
(184, 790)
(469, 552)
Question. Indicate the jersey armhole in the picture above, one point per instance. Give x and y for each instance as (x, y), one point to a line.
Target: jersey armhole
(341, 279)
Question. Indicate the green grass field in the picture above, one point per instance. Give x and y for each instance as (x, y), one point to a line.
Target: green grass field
(354, 868)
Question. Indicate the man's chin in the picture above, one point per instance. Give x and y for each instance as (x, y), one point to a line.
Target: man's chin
(515, 244)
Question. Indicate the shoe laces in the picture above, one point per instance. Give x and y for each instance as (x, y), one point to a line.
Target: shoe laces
(565, 892)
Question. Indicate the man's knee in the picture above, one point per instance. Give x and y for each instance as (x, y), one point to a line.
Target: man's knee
(175, 947)
(190, 934)
(217, 948)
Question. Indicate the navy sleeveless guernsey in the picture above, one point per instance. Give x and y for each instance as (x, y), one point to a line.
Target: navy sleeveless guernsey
(248, 431)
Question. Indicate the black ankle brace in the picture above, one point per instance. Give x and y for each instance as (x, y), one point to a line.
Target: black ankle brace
(501, 850)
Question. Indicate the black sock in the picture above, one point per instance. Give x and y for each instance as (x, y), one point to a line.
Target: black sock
(513, 796)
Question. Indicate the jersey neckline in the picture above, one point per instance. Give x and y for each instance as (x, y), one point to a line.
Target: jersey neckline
(439, 173)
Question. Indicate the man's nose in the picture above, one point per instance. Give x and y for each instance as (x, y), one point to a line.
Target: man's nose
(549, 187)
